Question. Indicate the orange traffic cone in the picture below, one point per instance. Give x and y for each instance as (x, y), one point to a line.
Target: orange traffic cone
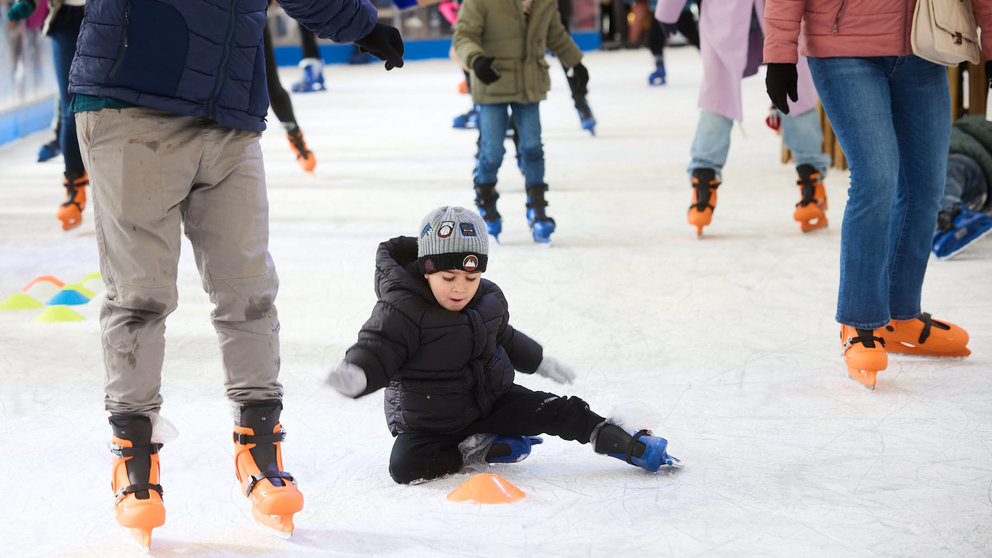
(486, 488)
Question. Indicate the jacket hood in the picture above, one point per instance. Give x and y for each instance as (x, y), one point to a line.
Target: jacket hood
(396, 268)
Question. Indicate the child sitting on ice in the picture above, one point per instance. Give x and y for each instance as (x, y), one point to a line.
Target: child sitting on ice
(440, 342)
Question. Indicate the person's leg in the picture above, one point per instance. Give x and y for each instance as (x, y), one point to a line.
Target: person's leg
(226, 219)
(530, 413)
(856, 96)
(492, 133)
(689, 27)
(527, 119)
(64, 31)
(803, 135)
(282, 106)
(308, 43)
(711, 143)
(311, 64)
(922, 118)
(419, 457)
(965, 185)
(656, 42)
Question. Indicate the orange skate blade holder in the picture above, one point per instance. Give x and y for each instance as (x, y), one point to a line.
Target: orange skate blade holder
(281, 523)
(811, 217)
(143, 535)
(865, 377)
(486, 488)
(910, 349)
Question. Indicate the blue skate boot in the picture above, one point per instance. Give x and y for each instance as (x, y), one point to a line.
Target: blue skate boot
(586, 118)
(658, 76)
(50, 150)
(313, 76)
(469, 120)
(640, 449)
(541, 226)
(511, 449)
(485, 202)
(958, 227)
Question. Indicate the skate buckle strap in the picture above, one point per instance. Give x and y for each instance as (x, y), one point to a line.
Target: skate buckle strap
(268, 475)
(928, 323)
(121, 451)
(273, 438)
(866, 340)
(630, 449)
(130, 489)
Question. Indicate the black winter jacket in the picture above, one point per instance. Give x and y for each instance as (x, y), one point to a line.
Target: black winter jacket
(442, 370)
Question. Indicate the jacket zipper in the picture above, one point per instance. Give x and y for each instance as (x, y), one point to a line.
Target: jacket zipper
(840, 13)
(121, 52)
(212, 103)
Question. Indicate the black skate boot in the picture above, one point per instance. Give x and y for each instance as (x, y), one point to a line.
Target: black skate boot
(485, 201)
(258, 438)
(640, 449)
(541, 226)
(136, 476)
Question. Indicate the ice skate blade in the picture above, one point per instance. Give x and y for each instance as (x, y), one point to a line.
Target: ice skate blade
(808, 226)
(143, 536)
(282, 524)
(865, 377)
(905, 348)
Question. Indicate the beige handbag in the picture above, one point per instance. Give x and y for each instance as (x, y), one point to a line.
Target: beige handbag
(945, 32)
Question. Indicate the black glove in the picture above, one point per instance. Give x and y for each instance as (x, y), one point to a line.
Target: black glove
(483, 68)
(578, 79)
(384, 42)
(782, 80)
(988, 74)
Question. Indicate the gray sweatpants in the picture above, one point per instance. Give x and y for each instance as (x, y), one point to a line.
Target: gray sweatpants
(152, 174)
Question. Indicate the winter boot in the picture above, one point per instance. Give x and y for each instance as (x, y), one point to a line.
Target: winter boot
(313, 76)
(467, 120)
(704, 185)
(258, 462)
(71, 210)
(50, 150)
(640, 449)
(586, 119)
(541, 226)
(864, 354)
(511, 449)
(957, 227)
(925, 336)
(136, 476)
(485, 201)
(304, 156)
(658, 76)
(812, 206)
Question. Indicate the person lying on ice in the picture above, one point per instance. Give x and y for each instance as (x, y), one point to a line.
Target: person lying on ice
(440, 343)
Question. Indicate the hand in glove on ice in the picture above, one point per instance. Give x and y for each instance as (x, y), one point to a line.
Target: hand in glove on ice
(348, 379)
(384, 42)
(20, 10)
(483, 68)
(782, 80)
(556, 371)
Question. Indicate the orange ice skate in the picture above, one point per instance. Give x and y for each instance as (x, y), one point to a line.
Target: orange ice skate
(71, 210)
(304, 156)
(864, 354)
(704, 185)
(258, 461)
(135, 477)
(812, 207)
(925, 336)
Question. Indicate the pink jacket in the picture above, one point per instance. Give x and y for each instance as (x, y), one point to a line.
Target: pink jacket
(723, 36)
(850, 28)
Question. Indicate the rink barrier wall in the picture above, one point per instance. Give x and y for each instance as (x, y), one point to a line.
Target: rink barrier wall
(37, 115)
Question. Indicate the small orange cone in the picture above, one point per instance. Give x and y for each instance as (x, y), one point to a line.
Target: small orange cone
(486, 488)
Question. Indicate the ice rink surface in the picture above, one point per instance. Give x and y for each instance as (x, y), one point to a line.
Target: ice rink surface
(725, 345)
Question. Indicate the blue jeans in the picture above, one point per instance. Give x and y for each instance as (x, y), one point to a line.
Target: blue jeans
(493, 119)
(802, 134)
(966, 183)
(892, 117)
(64, 30)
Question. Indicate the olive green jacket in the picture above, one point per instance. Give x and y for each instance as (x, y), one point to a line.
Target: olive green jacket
(498, 28)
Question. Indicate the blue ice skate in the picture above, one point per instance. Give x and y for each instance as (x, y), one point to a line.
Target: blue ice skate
(485, 203)
(586, 118)
(511, 449)
(640, 448)
(959, 227)
(541, 226)
(313, 76)
(469, 120)
(658, 76)
(49, 151)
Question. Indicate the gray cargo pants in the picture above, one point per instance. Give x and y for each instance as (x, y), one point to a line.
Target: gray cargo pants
(154, 174)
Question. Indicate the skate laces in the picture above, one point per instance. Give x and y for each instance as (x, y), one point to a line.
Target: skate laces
(703, 190)
(807, 184)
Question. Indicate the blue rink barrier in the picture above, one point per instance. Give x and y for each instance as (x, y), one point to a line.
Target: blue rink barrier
(26, 119)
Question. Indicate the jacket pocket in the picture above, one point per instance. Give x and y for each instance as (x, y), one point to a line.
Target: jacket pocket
(435, 409)
(153, 48)
(509, 76)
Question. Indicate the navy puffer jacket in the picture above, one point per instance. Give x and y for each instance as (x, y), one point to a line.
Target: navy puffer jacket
(196, 57)
(442, 370)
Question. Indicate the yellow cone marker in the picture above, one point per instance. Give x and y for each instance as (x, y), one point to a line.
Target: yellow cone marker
(58, 313)
(20, 301)
(486, 488)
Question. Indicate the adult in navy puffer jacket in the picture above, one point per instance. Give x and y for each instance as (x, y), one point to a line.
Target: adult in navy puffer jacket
(170, 99)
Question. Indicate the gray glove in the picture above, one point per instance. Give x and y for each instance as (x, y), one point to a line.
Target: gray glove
(556, 371)
(348, 379)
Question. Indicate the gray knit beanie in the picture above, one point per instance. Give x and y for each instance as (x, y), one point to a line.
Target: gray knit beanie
(452, 238)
